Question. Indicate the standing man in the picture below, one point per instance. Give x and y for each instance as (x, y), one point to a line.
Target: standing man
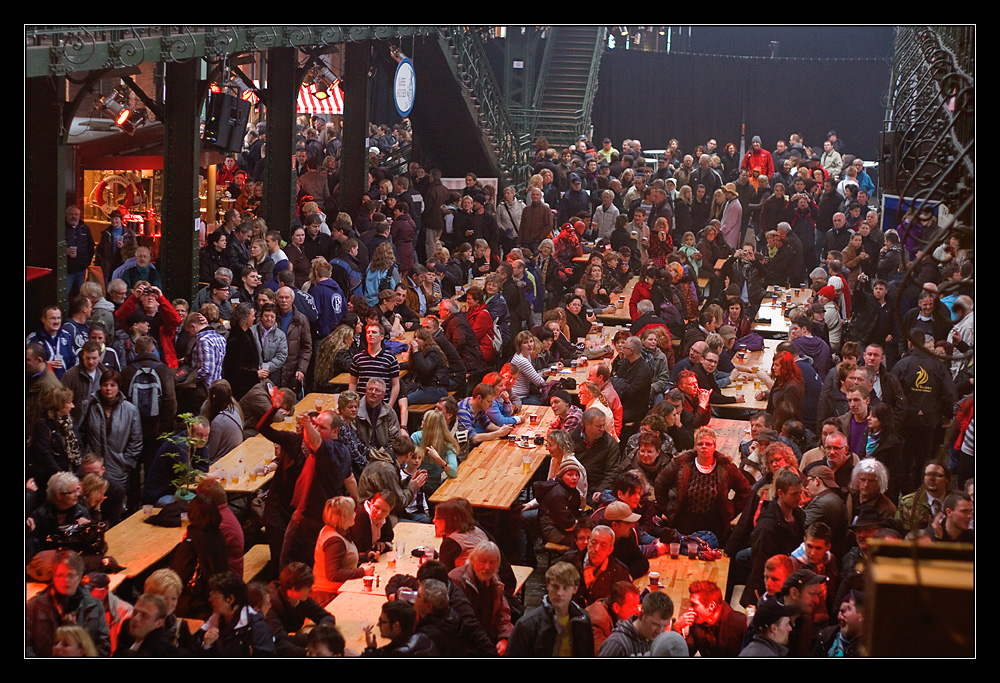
(758, 160)
(58, 342)
(79, 250)
(296, 328)
(375, 361)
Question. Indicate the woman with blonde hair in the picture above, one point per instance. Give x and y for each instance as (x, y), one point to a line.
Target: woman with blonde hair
(336, 557)
(260, 260)
(73, 641)
(437, 450)
(381, 267)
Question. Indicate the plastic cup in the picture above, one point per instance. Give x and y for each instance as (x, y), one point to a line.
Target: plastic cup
(692, 550)
(675, 551)
(147, 510)
(369, 582)
(391, 559)
(526, 464)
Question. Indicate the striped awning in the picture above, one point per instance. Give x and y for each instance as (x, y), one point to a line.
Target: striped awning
(308, 103)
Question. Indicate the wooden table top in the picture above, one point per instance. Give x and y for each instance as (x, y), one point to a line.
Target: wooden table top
(745, 381)
(621, 315)
(677, 575)
(356, 607)
(137, 546)
(411, 535)
(728, 435)
(771, 310)
(494, 474)
(239, 462)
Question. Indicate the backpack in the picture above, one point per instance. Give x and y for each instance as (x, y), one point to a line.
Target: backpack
(145, 391)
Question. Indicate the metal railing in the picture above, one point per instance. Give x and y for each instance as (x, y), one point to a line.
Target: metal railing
(931, 125)
(510, 146)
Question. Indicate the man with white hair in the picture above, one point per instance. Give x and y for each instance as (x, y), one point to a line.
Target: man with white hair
(605, 216)
(707, 176)
(478, 579)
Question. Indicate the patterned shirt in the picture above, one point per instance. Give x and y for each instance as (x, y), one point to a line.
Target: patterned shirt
(571, 421)
(384, 366)
(208, 354)
(471, 419)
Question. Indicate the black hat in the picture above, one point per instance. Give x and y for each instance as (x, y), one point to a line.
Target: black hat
(770, 611)
(800, 579)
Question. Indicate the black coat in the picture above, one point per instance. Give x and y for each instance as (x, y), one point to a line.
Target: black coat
(242, 360)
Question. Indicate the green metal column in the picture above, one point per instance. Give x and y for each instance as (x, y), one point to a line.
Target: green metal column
(279, 185)
(354, 156)
(45, 194)
(179, 241)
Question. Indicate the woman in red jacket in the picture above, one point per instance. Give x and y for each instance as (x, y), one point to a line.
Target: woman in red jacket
(481, 321)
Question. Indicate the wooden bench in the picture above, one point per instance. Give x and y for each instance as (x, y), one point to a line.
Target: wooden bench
(255, 560)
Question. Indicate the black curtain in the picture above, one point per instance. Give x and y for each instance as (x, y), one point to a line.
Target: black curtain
(656, 96)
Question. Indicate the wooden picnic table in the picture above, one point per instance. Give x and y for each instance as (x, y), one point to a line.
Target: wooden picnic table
(728, 435)
(356, 606)
(677, 575)
(745, 381)
(497, 471)
(239, 464)
(773, 309)
(137, 546)
(621, 315)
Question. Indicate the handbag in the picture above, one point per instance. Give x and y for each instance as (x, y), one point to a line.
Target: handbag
(86, 539)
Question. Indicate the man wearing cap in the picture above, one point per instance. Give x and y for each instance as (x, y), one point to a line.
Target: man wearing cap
(772, 626)
(805, 590)
(758, 160)
(831, 316)
(574, 200)
(607, 149)
(825, 504)
(732, 216)
(622, 520)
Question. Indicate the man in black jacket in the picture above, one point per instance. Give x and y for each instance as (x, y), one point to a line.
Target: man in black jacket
(143, 634)
(396, 623)
(632, 380)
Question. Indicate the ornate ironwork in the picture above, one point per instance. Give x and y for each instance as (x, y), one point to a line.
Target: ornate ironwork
(510, 147)
(60, 50)
(930, 129)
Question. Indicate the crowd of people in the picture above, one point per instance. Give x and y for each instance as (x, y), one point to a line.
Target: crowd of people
(868, 431)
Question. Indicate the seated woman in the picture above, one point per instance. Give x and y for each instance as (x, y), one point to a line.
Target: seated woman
(579, 323)
(336, 558)
(453, 522)
(62, 507)
(736, 318)
(437, 450)
(527, 377)
(200, 556)
(427, 379)
(226, 418)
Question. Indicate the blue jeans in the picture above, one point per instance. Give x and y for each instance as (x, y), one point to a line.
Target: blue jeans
(426, 395)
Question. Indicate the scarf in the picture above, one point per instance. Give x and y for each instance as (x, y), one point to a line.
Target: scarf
(65, 424)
